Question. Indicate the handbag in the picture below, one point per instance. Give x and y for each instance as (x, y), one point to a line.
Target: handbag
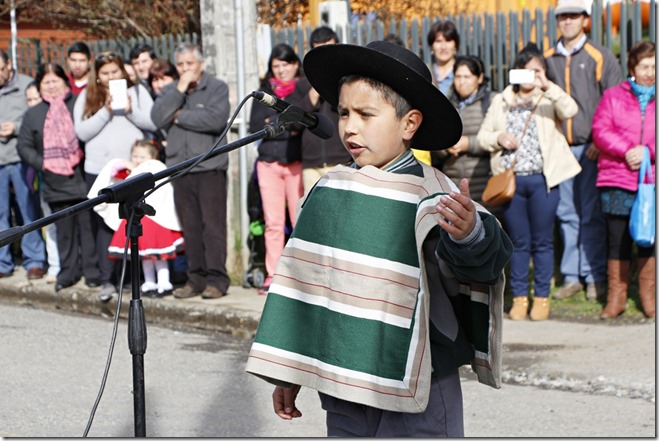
(500, 188)
(641, 219)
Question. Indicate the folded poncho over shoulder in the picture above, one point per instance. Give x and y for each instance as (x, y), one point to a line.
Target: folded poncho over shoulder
(347, 312)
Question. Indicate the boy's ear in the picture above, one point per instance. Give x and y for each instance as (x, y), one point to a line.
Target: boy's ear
(413, 120)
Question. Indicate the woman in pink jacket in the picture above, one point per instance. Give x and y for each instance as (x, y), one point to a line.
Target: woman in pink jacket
(623, 125)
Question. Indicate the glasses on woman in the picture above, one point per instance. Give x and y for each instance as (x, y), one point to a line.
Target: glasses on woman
(107, 55)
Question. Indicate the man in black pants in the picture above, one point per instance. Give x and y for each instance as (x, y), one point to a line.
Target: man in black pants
(194, 111)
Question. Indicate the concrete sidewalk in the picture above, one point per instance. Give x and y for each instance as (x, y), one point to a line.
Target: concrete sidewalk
(596, 358)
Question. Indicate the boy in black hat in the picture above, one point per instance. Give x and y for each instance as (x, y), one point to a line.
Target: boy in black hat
(392, 277)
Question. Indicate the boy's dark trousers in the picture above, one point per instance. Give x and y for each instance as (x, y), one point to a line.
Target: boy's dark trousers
(443, 416)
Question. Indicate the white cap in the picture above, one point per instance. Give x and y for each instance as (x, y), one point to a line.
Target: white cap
(573, 7)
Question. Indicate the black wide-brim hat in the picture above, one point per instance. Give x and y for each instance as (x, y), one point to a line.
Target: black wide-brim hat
(399, 69)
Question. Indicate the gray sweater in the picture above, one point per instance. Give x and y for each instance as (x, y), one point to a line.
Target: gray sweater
(109, 135)
(13, 105)
(202, 116)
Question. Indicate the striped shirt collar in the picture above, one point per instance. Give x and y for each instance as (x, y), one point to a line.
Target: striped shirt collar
(405, 164)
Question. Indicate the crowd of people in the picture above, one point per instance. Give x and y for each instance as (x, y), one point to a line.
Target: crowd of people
(65, 138)
(574, 138)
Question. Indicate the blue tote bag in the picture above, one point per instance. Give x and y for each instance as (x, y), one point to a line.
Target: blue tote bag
(641, 221)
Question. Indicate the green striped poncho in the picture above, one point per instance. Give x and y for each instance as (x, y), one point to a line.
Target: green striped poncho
(348, 308)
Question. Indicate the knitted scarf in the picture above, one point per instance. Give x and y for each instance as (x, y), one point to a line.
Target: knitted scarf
(643, 93)
(61, 151)
(347, 312)
(282, 88)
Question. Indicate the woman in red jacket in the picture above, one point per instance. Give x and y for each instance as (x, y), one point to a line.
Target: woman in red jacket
(623, 126)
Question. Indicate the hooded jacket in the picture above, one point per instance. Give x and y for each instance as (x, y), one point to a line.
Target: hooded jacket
(618, 126)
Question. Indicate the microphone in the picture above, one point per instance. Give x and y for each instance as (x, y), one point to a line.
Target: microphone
(318, 124)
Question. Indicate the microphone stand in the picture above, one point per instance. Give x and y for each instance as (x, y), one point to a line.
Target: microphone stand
(130, 194)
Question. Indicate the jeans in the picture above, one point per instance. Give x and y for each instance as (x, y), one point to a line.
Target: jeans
(529, 220)
(583, 227)
(32, 244)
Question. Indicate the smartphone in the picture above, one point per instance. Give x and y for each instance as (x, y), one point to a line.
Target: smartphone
(118, 94)
(521, 76)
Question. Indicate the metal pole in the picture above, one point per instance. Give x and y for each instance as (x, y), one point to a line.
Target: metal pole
(242, 126)
(14, 36)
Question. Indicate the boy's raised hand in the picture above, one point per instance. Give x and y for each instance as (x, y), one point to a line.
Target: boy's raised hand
(458, 212)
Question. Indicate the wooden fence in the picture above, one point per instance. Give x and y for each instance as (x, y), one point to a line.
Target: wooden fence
(32, 53)
(495, 38)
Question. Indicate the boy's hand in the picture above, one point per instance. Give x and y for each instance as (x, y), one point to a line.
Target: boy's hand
(284, 402)
(458, 211)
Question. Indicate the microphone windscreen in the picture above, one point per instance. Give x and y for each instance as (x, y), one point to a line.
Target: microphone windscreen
(325, 128)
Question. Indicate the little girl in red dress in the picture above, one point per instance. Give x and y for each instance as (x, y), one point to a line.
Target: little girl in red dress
(161, 238)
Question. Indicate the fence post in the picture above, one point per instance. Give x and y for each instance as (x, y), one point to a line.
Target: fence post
(539, 30)
(414, 36)
(622, 32)
(637, 25)
(500, 48)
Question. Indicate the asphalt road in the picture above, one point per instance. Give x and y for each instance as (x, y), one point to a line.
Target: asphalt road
(52, 365)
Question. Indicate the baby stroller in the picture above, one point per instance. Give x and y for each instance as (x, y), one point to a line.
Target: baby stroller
(255, 274)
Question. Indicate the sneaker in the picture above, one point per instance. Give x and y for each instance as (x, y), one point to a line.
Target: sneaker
(596, 290)
(107, 291)
(568, 290)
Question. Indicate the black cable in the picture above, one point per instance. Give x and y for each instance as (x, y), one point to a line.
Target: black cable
(124, 261)
(115, 326)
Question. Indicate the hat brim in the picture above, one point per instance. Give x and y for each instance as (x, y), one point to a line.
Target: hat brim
(324, 66)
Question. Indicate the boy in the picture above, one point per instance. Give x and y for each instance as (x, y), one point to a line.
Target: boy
(378, 297)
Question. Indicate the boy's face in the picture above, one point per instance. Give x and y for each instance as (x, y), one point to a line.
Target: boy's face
(369, 128)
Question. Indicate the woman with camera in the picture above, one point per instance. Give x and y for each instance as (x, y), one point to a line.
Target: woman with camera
(109, 132)
(521, 132)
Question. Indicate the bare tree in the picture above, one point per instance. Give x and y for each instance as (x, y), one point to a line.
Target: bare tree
(112, 18)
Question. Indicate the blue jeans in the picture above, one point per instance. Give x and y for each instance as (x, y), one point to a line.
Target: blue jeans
(32, 245)
(583, 226)
(529, 218)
